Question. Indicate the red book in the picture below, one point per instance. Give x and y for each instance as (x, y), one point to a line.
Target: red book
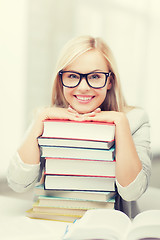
(94, 131)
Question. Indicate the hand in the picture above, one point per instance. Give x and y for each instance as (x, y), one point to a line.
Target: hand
(57, 113)
(51, 113)
(105, 116)
(82, 117)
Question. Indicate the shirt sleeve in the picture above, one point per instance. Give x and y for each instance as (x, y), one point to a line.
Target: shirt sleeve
(21, 176)
(128, 193)
(141, 136)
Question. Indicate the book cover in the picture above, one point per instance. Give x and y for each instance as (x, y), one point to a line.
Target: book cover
(98, 131)
(78, 153)
(68, 142)
(57, 210)
(74, 203)
(79, 183)
(79, 167)
(85, 195)
(50, 216)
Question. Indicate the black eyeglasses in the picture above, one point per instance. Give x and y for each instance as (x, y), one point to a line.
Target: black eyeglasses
(72, 79)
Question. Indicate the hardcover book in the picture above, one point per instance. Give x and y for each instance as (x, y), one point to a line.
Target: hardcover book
(97, 131)
(78, 153)
(68, 142)
(79, 183)
(79, 167)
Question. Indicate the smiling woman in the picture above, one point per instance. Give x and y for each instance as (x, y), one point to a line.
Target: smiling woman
(77, 97)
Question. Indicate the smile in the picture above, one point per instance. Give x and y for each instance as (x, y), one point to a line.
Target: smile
(84, 98)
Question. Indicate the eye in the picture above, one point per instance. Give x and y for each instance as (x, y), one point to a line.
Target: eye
(73, 76)
(94, 76)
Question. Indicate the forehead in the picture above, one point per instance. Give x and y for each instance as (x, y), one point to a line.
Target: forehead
(89, 61)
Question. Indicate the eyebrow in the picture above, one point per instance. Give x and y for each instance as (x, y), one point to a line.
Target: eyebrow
(96, 70)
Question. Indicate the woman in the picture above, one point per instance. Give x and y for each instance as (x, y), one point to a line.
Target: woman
(87, 87)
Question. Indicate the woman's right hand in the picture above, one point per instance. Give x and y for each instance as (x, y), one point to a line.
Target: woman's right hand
(50, 113)
(29, 150)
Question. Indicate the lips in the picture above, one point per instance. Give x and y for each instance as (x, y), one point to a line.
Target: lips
(83, 98)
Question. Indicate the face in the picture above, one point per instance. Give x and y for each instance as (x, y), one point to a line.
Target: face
(84, 98)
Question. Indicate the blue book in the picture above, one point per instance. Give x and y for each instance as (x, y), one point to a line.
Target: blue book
(85, 195)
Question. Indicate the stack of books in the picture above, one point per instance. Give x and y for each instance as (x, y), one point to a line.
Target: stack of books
(79, 169)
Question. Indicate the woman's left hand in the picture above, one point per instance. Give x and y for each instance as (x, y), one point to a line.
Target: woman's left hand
(82, 117)
(100, 116)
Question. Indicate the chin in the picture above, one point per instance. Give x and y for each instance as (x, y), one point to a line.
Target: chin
(83, 111)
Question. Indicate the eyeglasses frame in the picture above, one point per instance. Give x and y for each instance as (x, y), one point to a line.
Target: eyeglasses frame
(84, 75)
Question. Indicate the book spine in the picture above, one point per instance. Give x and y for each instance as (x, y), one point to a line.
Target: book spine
(79, 159)
(77, 175)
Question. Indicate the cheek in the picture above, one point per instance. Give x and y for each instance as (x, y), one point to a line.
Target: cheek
(102, 94)
(67, 92)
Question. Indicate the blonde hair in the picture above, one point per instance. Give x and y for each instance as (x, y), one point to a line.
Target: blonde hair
(114, 100)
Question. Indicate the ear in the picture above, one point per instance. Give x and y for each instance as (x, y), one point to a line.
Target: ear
(109, 84)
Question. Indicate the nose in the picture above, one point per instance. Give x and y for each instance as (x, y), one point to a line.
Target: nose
(83, 84)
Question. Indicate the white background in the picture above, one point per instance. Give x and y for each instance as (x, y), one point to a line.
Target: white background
(32, 33)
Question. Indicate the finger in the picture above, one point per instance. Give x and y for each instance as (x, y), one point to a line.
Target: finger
(56, 113)
(80, 119)
(70, 109)
(97, 110)
(92, 114)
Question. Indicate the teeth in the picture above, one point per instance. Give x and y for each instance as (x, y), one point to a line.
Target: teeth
(84, 98)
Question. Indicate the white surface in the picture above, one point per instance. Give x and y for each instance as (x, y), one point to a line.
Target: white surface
(16, 226)
(150, 199)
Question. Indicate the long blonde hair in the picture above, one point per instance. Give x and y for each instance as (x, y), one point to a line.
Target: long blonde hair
(114, 100)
